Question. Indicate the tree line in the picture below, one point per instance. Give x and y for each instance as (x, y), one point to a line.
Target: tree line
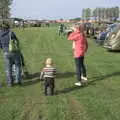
(5, 8)
(100, 14)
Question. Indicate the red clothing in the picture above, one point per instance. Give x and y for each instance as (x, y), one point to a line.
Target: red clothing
(81, 44)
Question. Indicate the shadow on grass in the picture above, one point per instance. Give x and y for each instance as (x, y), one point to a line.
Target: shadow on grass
(30, 79)
(92, 81)
(114, 51)
(103, 77)
(34, 79)
(67, 90)
(65, 75)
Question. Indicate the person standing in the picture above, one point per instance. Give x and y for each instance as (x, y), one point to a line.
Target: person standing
(79, 47)
(10, 57)
(61, 29)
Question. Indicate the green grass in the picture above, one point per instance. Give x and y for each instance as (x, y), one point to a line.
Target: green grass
(99, 100)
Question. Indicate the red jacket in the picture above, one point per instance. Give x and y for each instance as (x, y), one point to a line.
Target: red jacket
(81, 44)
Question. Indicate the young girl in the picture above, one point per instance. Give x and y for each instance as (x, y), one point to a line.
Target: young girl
(79, 47)
(48, 74)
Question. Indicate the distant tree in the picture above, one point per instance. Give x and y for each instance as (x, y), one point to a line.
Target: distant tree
(102, 16)
(5, 8)
(87, 13)
(99, 12)
(77, 19)
(106, 13)
(83, 14)
(94, 13)
(18, 19)
(61, 19)
(116, 13)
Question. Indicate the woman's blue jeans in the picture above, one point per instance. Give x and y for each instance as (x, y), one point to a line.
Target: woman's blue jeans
(80, 67)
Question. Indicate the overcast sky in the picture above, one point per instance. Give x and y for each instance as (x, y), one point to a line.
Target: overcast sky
(55, 9)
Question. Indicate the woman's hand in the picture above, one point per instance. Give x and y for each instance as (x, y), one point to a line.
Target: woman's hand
(73, 28)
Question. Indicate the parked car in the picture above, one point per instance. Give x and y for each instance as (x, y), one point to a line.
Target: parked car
(112, 41)
(104, 34)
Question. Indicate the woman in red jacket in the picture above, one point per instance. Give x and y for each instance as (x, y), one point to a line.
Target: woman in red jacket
(80, 46)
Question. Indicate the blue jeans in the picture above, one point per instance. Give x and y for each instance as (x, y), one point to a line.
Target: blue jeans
(10, 59)
(80, 67)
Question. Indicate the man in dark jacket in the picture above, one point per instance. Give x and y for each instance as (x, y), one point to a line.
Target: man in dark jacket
(61, 29)
(10, 57)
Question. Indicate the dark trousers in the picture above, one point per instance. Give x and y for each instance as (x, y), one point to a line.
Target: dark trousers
(49, 83)
(80, 67)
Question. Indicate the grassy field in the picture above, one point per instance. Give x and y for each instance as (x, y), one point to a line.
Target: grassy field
(99, 100)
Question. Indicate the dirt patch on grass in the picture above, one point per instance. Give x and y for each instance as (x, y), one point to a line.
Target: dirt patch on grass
(3, 99)
(77, 110)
